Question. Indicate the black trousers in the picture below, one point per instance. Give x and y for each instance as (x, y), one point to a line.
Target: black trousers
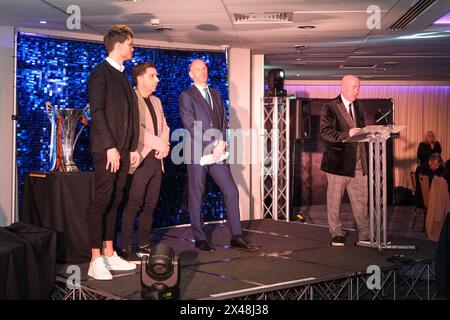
(143, 197)
(109, 188)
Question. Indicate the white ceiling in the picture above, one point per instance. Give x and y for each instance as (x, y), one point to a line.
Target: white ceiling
(340, 37)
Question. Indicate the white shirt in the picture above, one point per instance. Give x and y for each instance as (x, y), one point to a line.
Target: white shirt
(347, 105)
(202, 91)
(115, 65)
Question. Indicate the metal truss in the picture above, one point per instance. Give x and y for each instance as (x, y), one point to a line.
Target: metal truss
(62, 292)
(275, 152)
(413, 281)
(406, 282)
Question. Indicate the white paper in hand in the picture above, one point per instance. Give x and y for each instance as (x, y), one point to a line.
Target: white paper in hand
(209, 159)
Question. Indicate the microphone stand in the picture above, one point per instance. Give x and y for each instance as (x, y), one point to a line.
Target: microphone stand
(384, 115)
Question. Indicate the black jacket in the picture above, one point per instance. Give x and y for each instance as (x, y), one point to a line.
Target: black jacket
(442, 260)
(114, 110)
(424, 151)
(338, 157)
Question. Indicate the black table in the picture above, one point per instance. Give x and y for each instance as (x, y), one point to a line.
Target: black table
(60, 201)
(27, 262)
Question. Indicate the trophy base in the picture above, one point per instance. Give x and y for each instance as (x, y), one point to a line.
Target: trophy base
(71, 168)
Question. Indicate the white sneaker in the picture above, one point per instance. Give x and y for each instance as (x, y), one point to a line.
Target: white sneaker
(98, 270)
(118, 264)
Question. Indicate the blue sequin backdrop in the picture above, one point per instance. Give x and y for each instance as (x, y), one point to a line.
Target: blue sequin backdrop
(57, 70)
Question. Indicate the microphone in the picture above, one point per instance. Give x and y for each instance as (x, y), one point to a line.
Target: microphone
(384, 114)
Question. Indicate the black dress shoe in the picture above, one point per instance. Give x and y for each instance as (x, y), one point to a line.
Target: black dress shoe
(204, 245)
(129, 255)
(143, 250)
(241, 243)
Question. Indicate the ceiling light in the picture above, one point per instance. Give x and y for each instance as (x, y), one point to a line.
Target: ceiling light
(443, 20)
(299, 59)
(301, 46)
(424, 35)
(297, 75)
(42, 22)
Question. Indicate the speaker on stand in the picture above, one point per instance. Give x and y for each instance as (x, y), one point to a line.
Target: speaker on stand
(300, 130)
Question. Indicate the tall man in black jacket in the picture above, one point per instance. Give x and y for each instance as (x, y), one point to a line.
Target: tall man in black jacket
(114, 134)
(345, 163)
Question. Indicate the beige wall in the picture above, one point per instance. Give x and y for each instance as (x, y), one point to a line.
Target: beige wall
(239, 86)
(6, 125)
(256, 143)
(246, 89)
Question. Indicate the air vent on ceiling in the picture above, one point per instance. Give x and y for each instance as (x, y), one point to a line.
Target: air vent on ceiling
(413, 12)
(162, 29)
(358, 66)
(266, 17)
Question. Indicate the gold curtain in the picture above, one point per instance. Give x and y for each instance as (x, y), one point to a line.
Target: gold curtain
(420, 108)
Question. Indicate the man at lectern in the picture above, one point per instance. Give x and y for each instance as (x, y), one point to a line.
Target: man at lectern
(345, 163)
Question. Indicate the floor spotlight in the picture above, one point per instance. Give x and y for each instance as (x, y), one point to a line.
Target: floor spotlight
(160, 274)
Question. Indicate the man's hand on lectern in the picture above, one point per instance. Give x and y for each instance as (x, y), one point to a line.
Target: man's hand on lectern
(353, 131)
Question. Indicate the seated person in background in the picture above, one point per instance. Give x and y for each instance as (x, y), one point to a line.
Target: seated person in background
(446, 173)
(428, 147)
(431, 168)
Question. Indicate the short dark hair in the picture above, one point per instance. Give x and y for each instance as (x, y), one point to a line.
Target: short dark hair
(435, 157)
(117, 33)
(139, 70)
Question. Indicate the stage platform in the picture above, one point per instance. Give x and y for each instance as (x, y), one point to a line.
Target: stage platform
(296, 262)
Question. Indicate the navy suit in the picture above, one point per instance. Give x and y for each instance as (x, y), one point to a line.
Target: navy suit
(194, 108)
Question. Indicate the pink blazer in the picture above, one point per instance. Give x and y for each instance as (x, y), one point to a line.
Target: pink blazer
(147, 140)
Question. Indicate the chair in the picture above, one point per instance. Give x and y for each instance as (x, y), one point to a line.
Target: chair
(438, 207)
(413, 182)
(425, 188)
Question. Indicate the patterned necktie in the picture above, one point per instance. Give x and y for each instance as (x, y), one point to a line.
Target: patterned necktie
(207, 97)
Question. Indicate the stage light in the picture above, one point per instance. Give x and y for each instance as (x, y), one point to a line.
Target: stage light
(160, 274)
(275, 82)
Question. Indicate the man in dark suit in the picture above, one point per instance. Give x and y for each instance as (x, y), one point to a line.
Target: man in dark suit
(114, 134)
(345, 163)
(202, 111)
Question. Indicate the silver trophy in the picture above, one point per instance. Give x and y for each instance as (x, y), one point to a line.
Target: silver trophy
(63, 136)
